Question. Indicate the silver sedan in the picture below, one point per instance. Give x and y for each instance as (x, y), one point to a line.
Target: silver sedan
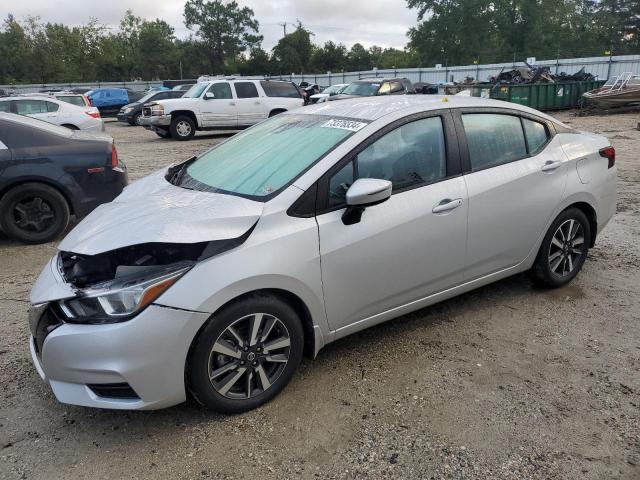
(216, 275)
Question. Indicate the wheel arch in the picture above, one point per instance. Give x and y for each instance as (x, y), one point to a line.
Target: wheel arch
(187, 113)
(21, 181)
(591, 215)
(276, 111)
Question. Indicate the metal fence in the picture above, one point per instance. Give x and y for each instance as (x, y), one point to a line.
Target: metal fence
(603, 67)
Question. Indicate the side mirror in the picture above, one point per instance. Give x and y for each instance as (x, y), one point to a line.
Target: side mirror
(209, 96)
(365, 192)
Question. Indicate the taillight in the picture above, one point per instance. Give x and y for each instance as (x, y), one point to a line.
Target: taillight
(93, 114)
(114, 156)
(610, 154)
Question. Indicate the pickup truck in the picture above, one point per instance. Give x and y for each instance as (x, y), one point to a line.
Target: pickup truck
(217, 104)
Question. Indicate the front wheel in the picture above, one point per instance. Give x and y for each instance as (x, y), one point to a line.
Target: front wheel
(182, 128)
(563, 250)
(245, 355)
(163, 133)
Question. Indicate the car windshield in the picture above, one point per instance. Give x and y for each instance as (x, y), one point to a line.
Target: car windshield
(266, 158)
(196, 90)
(147, 97)
(365, 89)
(332, 89)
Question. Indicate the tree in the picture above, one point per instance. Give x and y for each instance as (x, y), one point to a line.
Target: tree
(358, 58)
(293, 52)
(330, 57)
(225, 29)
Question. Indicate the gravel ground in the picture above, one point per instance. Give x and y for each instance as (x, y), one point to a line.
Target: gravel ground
(506, 382)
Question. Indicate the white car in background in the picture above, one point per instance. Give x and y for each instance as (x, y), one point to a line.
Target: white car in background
(222, 103)
(328, 92)
(53, 110)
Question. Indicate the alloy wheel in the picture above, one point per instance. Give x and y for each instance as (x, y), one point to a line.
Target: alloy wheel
(183, 128)
(249, 356)
(566, 248)
(33, 214)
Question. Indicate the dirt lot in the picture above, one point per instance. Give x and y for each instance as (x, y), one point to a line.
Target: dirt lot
(505, 382)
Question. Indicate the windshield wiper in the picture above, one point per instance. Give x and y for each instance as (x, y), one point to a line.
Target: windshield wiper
(176, 174)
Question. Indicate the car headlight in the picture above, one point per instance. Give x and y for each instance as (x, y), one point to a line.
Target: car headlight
(157, 110)
(128, 110)
(124, 297)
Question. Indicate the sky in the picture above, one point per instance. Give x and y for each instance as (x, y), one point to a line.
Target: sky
(370, 22)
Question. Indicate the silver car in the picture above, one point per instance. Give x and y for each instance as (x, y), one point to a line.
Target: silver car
(215, 276)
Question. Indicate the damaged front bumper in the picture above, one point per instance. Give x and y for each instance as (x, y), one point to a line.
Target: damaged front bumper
(138, 364)
(156, 121)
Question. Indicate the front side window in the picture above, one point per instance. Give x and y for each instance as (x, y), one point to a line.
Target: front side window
(266, 158)
(31, 107)
(493, 139)
(52, 107)
(221, 91)
(537, 135)
(413, 154)
(196, 91)
(246, 90)
(5, 106)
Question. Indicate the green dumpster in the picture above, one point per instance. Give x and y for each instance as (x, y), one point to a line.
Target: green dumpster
(545, 96)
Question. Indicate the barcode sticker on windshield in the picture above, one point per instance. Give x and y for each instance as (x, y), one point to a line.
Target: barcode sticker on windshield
(345, 124)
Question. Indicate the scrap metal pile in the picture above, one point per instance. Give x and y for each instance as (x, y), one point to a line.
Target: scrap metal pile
(530, 74)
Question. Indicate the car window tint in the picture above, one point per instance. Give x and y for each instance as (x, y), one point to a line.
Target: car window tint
(221, 91)
(408, 156)
(73, 100)
(493, 139)
(396, 88)
(52, 107)
(30, 107)
(385, 89)
(279, 89)
(246, 90)
(339, 183)
(537, 135)
(5, 106)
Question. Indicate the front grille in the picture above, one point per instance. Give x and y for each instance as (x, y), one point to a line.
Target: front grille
(146, 111)
(114, 390)
(49, 321)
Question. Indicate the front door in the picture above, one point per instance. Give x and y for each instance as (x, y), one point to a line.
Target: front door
(406, 248)
(516, 176)
(221, 110)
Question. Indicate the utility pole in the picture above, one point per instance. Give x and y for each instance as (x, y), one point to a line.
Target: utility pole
(284, 27)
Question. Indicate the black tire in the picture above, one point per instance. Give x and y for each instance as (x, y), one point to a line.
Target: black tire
(202, 360)
(182, 128)
(70, 127)
(46, 218)
(135, 121)
(163, 133)
(558, 262)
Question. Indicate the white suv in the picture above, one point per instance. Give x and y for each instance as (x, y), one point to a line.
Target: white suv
(220, 104)
(54, 110)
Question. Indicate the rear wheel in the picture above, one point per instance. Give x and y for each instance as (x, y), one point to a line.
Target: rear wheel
(245, 355)
(135, 120)
(563, 250)
(33, 213)
(182, 128)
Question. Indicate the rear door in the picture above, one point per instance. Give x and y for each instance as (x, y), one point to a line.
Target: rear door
(410, 246)
(515, 172)
(221, 110)
(249, 104)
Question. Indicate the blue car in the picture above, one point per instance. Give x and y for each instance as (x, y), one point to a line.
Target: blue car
(112, 99)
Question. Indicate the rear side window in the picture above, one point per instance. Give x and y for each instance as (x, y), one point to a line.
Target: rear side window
(493, 139)
(52, 107)
(246, 90)
(280, 89)
(30, 107)
(537, 135)
(5, 106)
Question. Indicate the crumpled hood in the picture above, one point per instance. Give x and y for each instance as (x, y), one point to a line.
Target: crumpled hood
(172, 103)
(153, 210)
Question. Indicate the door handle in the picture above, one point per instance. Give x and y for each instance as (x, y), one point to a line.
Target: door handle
(232, 103)
(256, 103)
(550, 166)
(447, 205)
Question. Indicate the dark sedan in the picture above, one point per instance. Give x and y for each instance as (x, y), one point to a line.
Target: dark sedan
(48, 173)
(132, 112)
(372, 87)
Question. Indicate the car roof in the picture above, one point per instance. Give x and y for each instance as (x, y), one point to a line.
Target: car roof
(373, 108)
(33, 96)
